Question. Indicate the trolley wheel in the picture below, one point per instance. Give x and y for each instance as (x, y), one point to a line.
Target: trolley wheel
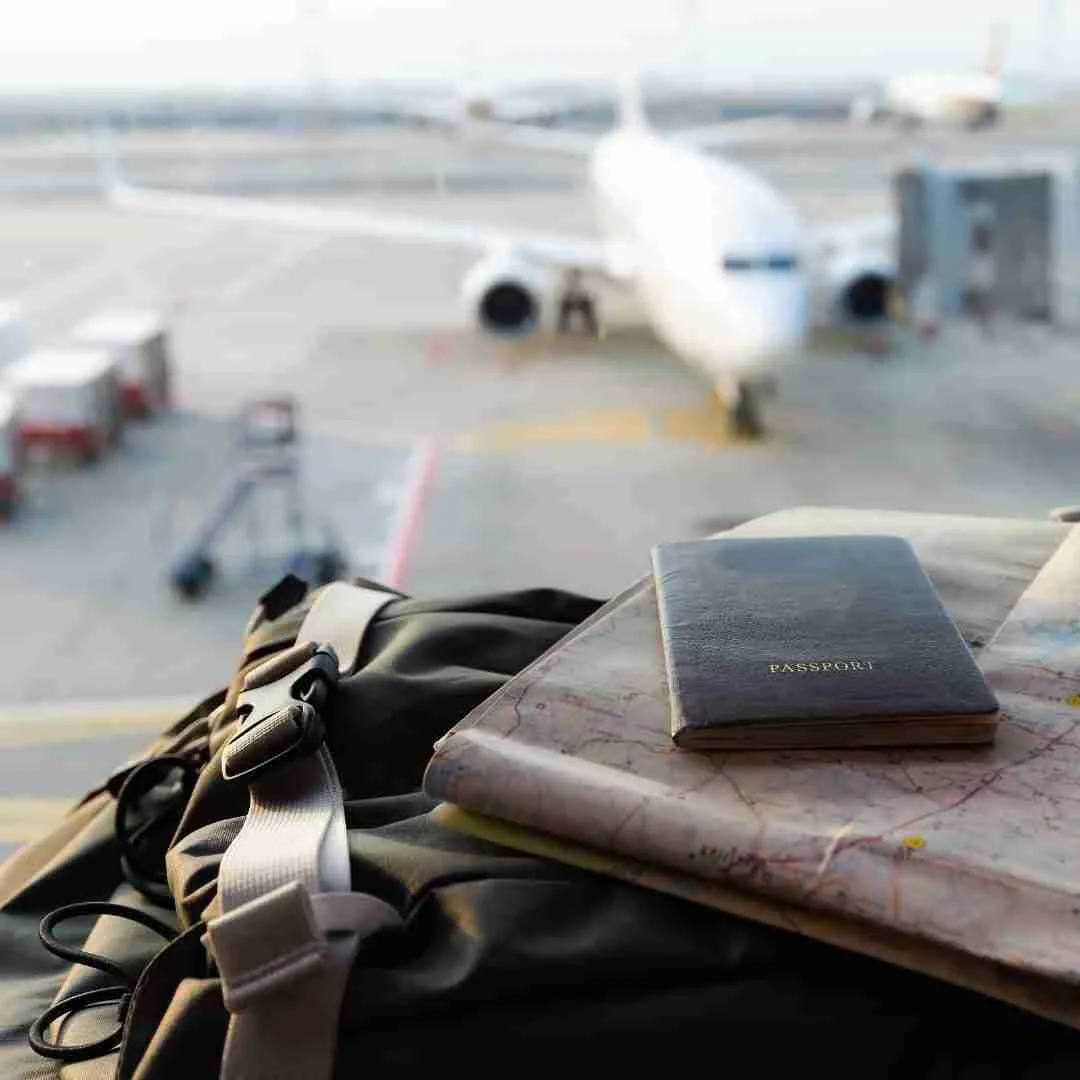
(319, 567)
(329, 566)
(193, 576)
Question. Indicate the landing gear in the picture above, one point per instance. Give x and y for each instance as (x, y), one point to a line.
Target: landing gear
(577, 305)
(744, 416)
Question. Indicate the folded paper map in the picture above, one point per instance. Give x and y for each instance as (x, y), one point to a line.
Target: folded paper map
(975, 850)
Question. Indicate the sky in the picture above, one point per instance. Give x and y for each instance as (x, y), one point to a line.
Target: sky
(61, 44)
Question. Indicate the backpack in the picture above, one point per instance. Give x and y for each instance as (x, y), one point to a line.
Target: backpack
(228, 942)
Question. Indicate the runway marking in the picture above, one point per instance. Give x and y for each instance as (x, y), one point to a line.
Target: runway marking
(24, 818)
(262, 273)
(67, 722)
(697, 423)
(436, 349)
(420, 472)
(706, 424)
(615, 426)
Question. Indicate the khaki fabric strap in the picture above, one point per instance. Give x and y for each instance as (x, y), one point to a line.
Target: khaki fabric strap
(284, 960)
(340, 617)
(287, 935)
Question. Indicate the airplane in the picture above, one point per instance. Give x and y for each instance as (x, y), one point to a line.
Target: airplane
(972, 100)
(718, 258)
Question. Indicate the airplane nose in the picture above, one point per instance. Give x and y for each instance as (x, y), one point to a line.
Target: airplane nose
(772, 329)
(737, 330)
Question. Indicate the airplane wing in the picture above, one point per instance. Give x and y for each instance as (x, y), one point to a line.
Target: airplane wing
(867, 232)
(373, 222)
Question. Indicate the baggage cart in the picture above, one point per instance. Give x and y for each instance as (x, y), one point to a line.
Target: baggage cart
(140, 341)
(68, 401)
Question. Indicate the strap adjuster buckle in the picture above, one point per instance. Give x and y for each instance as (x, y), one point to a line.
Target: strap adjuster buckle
(278, 712)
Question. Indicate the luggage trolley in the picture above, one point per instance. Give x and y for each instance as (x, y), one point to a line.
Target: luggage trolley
(266, 438)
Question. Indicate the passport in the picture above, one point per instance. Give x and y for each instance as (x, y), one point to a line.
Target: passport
(816, 641)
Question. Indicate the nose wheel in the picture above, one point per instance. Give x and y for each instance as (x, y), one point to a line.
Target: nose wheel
(744, 413)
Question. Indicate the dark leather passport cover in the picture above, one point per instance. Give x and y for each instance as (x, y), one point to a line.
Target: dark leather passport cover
(738, 617)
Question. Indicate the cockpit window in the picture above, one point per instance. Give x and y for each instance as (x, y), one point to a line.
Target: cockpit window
(783, 262)
(775, 263)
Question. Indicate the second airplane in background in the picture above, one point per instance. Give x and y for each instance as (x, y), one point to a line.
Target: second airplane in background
(963, 99)
(719, 259)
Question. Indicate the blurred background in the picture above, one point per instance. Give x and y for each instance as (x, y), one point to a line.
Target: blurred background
(469, 296)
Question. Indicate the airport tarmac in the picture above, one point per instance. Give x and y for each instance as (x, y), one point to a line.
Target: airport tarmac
(444, 461)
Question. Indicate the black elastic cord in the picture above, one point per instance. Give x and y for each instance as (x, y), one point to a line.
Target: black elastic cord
(150, 880)
(104, 995)
(96, 907)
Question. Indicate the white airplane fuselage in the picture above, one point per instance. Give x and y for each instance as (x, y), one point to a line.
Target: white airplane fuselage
(715, 253)
(968, 100)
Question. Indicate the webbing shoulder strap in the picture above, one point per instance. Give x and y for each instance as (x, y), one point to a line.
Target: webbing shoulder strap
(290, 924)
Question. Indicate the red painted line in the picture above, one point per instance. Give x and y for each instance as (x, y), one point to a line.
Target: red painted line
(437, 350)
(407, 530)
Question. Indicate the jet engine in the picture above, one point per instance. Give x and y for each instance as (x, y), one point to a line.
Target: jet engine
(860, 288)
(510, 297)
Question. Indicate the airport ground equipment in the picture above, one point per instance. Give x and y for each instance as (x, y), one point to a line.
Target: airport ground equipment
(14, 335)
(141, 342)
(267, 439)
(10, 455)
(68, 400)
(997, 235)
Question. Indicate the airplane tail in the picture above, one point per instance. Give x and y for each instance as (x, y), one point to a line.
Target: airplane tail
(631, 99)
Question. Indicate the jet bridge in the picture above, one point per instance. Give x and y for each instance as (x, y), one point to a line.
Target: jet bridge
(1005, 235)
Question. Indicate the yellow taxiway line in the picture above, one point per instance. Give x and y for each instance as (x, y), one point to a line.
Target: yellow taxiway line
(704, 424)
(30, 725)
(26, 817)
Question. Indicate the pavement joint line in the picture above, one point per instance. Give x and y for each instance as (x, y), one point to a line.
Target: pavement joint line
(54, 290)
(262, 273)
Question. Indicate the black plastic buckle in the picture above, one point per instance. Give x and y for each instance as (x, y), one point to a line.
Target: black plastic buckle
(279, 712)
